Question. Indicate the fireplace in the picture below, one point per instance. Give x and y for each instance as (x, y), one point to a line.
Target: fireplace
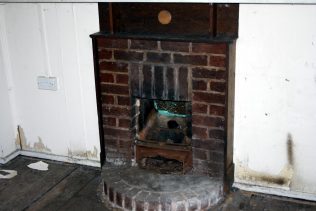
(163, 135)
(132, 85)
(163, 97)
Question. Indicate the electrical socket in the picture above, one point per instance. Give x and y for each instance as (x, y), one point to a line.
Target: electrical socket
(47, 83)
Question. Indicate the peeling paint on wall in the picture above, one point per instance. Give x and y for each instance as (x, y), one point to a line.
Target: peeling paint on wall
(87, 154)
(40, 147)
(21, 142)
(283, 179)
(21, 139)
(17, 141)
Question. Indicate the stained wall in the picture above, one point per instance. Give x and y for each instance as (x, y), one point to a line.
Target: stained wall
(50, 40)
(275, 94)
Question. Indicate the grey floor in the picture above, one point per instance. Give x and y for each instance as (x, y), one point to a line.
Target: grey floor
(62, 187)
(73, 187)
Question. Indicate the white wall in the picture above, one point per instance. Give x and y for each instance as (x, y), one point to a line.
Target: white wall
(52, 39)
(7, 130)
(275, 100)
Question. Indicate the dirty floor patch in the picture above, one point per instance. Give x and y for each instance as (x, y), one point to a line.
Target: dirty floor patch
(247, 201)
(62, 187)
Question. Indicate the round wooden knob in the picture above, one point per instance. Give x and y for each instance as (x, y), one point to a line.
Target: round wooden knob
(164, 17)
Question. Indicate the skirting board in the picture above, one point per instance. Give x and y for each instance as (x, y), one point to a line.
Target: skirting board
(275, 191)
(9, 157)
(60, 158)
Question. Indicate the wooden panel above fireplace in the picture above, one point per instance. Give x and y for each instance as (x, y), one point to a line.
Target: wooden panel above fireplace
(186, 20)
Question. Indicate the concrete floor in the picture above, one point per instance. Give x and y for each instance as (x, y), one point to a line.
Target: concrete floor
(73, 187)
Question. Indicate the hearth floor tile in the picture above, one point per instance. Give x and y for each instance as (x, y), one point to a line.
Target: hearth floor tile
(161, 191)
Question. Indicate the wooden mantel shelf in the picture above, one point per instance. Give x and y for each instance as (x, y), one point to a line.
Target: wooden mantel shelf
(203, 39)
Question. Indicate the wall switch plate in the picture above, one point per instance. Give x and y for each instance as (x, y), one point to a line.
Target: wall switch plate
(47, 83)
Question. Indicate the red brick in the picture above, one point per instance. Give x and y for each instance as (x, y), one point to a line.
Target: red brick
(209, 97)
(216, 133)
(208, 121)
(114, 66)
(122, 79)
(128, 55)
(134, 79)
(180, 206)
(144, 44)
(127, 144)
(208, 73)
(140, 206)
(119, 200)
(111, 194)
(105, 189)
(110, 121)
(108, 99)
(114, 89)
(110, 141)
(153, 206)
(125, 123)
(190, 59)
(170, 80)
(193, 205)
(199, 108)
(209, 144)
(216, 110)
(158, 57)
(175, 46)
(183, 89)
(215, 48)
(199, 85)
(116, 111)
(217, 61)
(128, 203)
(106, 77)
(198, 132)
(147, 81)
(210, 168)
(123, 100)
(112, 43)
(105, 54)
(218, 86)
(215, 156)
(199, 154)
(115, 132)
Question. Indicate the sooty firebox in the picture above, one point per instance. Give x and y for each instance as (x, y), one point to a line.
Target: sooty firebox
(163, 133)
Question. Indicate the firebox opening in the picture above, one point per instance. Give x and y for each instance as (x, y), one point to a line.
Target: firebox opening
(165, 122)
(172, 124)
(162, 165)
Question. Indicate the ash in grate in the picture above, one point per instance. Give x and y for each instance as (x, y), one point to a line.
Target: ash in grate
(162, 165)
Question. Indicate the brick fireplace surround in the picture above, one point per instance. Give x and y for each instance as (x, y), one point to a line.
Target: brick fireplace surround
(200, 72)
(165, 87)
(177, 70)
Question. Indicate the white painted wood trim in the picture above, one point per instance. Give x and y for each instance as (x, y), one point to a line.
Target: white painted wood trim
(52, 157)
(4, 48)
(9, 157)
(275, 191)
(61, 158)
(161, 1)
